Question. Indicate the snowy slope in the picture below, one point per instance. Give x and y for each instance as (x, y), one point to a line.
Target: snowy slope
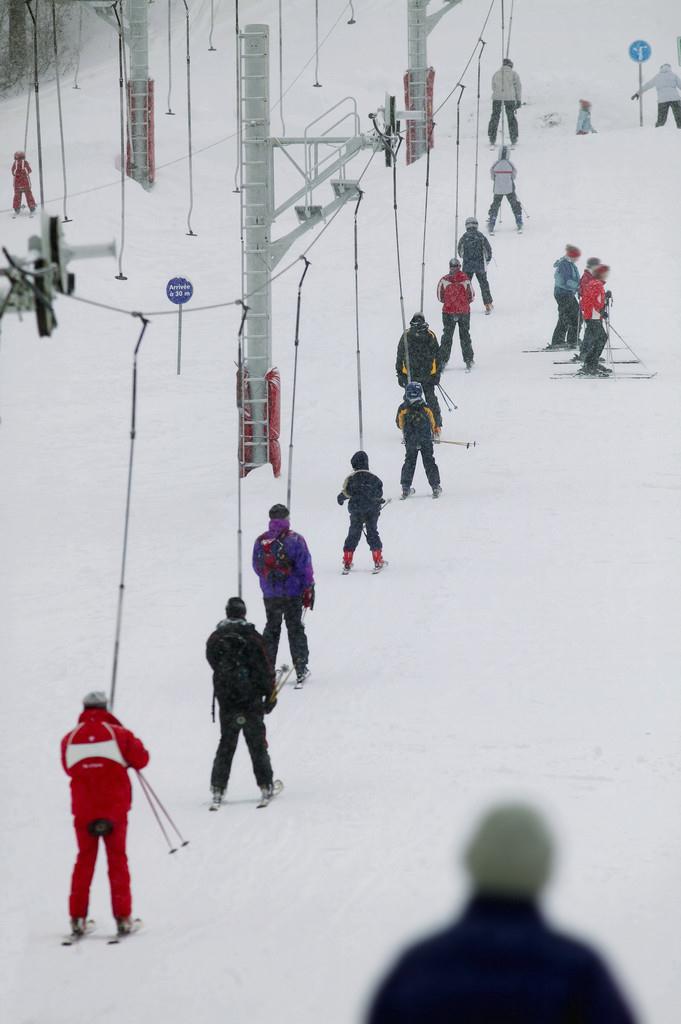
(522, 641)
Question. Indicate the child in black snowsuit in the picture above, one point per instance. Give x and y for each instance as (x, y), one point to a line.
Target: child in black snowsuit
(365, 491)
(417, 424)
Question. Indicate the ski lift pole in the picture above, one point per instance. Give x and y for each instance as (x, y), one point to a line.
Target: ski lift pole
(36, 87)
(463, 444)
(483, 44)
(242, 445)
(128, 497)
(359, 366)
(456, 203)
(295, 381)
(425, 213)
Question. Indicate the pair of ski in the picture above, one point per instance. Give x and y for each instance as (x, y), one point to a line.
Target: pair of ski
(603, 376)
(347, 569)
(264, 801)
(73, 938)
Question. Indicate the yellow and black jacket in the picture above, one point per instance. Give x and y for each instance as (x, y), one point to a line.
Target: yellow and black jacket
(424, 357)
(416, 422)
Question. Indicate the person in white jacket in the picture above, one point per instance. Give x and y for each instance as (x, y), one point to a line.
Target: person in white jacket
(503, 174)
(668, 87)
(506, 89)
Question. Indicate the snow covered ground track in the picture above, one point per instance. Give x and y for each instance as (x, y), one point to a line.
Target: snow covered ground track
(524, 639)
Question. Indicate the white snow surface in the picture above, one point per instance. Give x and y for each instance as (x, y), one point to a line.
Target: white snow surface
(524, 640)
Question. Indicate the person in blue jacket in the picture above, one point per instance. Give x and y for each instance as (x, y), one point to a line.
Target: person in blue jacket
(565, 288)
(501, 962)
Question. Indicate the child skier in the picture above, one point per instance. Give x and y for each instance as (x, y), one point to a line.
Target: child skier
(584, 126)
(594, 305)
(365, 493)
(22, 183)
(417, 424)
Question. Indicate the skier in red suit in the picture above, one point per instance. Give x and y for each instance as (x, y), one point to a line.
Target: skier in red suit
(96, 755)
(22, 183)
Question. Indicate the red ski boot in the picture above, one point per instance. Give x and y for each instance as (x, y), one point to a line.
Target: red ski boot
(378, 560)
(347, 561)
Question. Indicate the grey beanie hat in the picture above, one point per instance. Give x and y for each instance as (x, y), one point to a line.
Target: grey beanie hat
(593, 262)
(95, 699)
(511, 852)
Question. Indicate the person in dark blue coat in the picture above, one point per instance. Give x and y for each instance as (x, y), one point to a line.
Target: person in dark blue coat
(476, 252)
(364, 490)
(501, 962)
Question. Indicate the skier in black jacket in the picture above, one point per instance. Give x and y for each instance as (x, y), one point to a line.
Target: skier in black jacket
(476, 253)
(243, 684)
(365, 491)
(419, 360)
(417, 424)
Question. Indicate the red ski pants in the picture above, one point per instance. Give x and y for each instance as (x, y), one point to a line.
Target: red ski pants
(20, 190)
(119, 876)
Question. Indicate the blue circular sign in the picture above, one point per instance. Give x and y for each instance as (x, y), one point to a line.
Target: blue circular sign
(640, 50)
(179, 290)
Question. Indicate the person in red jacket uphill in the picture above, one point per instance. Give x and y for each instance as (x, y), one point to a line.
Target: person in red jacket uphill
(96, 755)
(282, 562)
(594, 307)
(455, 292)
(22, 183)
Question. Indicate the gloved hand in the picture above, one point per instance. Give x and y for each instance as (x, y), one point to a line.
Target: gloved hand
(436, 379)
(308, 597)
(518, 105)
(270, 705)
(401, 380)
(604, 314)
(635, 96)
(340, 498)
(608, 295)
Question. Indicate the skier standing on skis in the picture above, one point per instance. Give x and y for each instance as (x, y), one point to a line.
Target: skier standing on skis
(282, 562)
(22, 183)
(476, 253)
(668, 87)
(455, 292)
(418, 359)
(506, 89)
(96, 755)
(502, 960)
(587, 276)
(364, 491)
(417, 424)
(243, 685)
(503, 174)
(565, 287)
(594, 306)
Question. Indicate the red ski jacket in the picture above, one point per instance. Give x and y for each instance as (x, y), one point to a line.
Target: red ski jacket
(20, 172)
(584, 280)
(592, 299)
(455, 292)
(97, 755)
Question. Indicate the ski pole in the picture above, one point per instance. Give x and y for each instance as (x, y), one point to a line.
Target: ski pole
(171, 848)
(447, 398)
(464, 444)
(146, 785)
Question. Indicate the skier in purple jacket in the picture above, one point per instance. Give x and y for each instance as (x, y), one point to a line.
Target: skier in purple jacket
(282, 561)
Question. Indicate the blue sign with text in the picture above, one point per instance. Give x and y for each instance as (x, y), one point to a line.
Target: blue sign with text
(640, 50)
(179, 290)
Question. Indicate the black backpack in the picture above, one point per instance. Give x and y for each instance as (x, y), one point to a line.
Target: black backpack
(233, 669)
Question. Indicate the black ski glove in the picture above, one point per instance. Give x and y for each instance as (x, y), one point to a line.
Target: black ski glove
(270, 705)
(401, 380)
(604, 315)
(635, 96)
(608, 295)
(340, 498)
